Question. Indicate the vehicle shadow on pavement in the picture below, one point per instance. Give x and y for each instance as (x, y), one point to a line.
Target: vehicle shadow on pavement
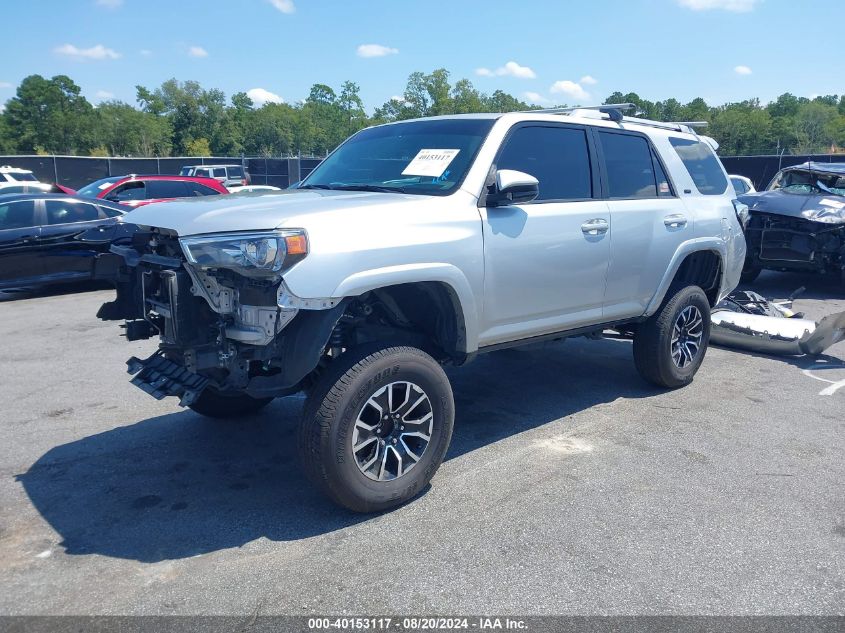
(179, 485)
(19, 294)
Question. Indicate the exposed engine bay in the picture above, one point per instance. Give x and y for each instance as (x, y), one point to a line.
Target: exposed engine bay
(236, 333)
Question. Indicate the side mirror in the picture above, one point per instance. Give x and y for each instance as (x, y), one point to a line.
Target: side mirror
(513, 187)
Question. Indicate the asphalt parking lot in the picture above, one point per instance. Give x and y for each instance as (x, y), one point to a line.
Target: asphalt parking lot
(571, 487)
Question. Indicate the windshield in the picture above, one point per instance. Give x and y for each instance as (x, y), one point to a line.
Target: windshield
(807, 182)
(95, 188)
(23, 176)
(421, 157)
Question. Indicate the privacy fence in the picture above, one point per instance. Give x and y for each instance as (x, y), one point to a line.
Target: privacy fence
(76, 171)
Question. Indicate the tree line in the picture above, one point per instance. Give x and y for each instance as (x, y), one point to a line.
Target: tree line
(181, 118)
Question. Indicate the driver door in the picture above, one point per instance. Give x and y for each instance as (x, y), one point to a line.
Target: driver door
(546, 261)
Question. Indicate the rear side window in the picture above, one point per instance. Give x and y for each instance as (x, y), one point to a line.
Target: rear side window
(630, 168)
(739, 185)
(166, 189)
(556, 156)
(197, 189)
(17, 215)
(701, 163)
(69, 211)
(220, 172)
(235, 172)
(23, 177)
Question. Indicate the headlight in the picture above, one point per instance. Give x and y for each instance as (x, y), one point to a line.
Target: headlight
(251, 254)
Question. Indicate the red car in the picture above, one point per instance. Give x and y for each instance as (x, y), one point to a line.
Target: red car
(134, 191)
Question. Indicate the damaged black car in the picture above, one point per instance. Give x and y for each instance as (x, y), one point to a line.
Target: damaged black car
(798, 222)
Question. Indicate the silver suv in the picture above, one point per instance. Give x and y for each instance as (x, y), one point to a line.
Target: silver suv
(419, 244)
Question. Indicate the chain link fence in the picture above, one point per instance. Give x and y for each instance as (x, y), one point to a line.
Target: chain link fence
(77, 171)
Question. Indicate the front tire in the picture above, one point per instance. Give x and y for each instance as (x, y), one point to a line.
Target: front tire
(376, 426)
(670, 345)
(220, 405)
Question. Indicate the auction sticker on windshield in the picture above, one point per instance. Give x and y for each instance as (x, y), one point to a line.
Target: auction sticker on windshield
(430, 162)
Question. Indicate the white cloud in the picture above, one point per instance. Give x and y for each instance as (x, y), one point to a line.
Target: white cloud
(145, 52)
(736, 6)
(742, 70)
(511, 69)
(285, 6)
(260, 96)
(5, 84)
(197, 51)
(570, 89)
(535, 97)
(104, 94)
(95, 52)
(398, 98)
(588, 80)
(375, 50)
(110, 4)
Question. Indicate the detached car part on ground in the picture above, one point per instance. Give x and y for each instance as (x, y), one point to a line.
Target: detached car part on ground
(420, 244)
(798, 223)
(747, 320)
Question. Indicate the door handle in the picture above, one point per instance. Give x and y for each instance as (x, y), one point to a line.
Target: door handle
(675, 221)
(596, 226)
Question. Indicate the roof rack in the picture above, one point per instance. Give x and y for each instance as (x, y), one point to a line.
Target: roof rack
(614, 113)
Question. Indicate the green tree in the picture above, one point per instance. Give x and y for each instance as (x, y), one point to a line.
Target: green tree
(50, 114)
(198, 147)
(818, 126)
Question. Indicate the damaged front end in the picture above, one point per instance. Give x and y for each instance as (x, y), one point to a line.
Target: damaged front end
(799, 223)
(222, 312)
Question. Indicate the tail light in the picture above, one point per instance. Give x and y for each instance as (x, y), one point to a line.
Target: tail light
(243, 182)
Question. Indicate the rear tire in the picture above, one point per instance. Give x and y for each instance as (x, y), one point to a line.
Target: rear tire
(220, 405)
(670, 345)
(376, 426)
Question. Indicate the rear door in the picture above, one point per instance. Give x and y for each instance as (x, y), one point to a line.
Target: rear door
(63, 256)
(19, 261)
(649, 221)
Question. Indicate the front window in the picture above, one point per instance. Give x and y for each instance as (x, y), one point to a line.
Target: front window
(429, 157)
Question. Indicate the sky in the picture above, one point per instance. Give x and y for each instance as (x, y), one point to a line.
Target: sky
(545, 52)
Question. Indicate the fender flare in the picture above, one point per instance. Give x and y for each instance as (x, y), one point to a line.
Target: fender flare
(712, 244)
(463, 296)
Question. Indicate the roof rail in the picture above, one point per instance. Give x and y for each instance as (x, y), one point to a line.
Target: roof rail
(614, 112)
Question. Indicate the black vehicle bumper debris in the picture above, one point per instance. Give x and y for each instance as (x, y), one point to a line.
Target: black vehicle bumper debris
(161, 377)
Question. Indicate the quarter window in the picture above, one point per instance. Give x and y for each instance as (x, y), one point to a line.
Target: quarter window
(701, 163)
(557, 157)
(197, 189)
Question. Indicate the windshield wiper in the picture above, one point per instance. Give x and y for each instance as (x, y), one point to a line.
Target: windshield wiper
(365, 187)
(313, 187)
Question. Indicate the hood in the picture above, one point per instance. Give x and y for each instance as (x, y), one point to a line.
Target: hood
(259, 211)
(820, 207)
